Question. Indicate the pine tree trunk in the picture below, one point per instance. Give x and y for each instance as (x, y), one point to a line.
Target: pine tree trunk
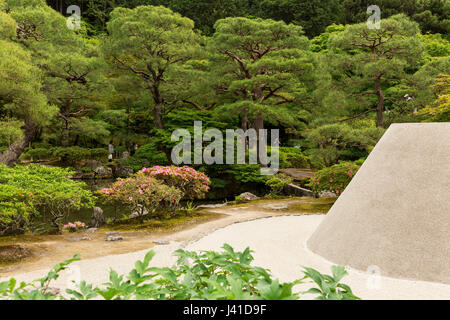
(10, 156)
(66, 134)
(380, 105)
(259, 125)
(244, 119)
(157, 115)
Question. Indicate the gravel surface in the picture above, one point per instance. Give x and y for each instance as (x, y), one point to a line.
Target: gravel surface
(279, 244)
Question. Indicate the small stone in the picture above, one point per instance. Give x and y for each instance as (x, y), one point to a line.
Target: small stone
(103, 172)
(91, 230)
(211, 206)
(114, 238)
(161, 242)
(294, 190)
(247, 196)
(327, 194)
(111, 233)
(79, 239)
(276, 206)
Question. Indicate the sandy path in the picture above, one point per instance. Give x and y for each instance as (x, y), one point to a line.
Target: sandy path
(279, 244)
(95, 270)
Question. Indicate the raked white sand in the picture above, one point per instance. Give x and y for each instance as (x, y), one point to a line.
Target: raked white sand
(278, 244)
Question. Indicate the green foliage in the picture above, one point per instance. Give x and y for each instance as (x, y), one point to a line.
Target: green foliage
(278, 182)
(439, 110)
(38, 154)
(150, 43)
(10, 131)
(314, 15)
(20, 86)
(435, 45)
(246, 173)
(16, 209)
(147, 155)
(320, 43)
(253, 67)
(265, 81)
(369, 66)
(208, 275)
(68, 155)
(36, 290)
(293, 158)
(334, 142)
(39, 190)
(334, 179)
(330, 287)
(72, 155)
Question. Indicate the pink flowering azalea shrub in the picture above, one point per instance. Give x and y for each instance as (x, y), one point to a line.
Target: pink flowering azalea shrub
(193, 183)
(74, 226)
(334, 179)
(144, 195)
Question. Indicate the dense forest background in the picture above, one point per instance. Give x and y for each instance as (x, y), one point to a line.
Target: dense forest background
(314, 15)
(136, 70)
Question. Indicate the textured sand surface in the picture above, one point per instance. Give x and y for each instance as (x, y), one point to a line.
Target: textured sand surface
(279, 244)
(395, 213)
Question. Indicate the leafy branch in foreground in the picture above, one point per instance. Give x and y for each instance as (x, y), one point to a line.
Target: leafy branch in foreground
(211, 275)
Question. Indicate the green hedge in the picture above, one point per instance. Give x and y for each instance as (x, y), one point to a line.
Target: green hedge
(334, 179)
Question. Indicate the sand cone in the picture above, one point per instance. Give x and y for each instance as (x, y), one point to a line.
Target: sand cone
(395, 214)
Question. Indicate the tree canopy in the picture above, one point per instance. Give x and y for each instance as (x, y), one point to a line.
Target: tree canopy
(136, 70)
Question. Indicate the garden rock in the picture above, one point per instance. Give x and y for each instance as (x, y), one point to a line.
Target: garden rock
(90, 230)
(327, 194)
(98, 219)
(294, 190)
(79, 239)
(211, 206)
(161, 242)
(247, 196)
(92, 164)
(119, 171)
(103, 172)
(135, 213)
(114, 238)
(275, 206)
(111, 233)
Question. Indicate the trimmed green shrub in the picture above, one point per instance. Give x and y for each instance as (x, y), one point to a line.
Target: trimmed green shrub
(246, 173)
(72, 155)
(98, 154)
(334, 179)
(291, 157)
(146, 156)
(278, 182)
(16, 209)
(332, 143)
(38, 190)
(38, 154)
